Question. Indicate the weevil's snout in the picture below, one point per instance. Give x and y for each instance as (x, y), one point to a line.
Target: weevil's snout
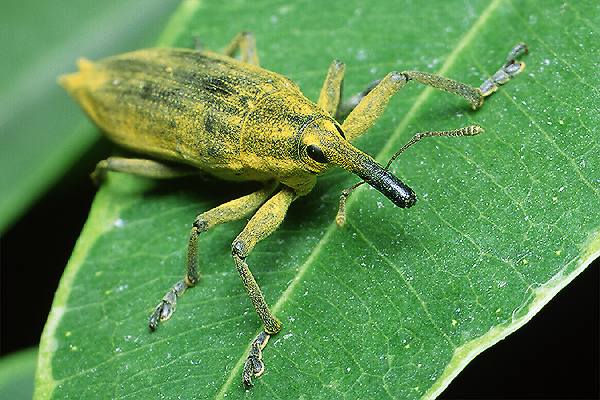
(386, 183)
(353, 160)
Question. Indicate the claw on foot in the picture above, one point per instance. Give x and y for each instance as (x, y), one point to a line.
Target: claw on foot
(99, 174)
(254, 366)
(511, 68)
(166, 307)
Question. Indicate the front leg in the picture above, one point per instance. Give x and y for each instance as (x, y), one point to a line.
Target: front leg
(262, 224)
(371, 107)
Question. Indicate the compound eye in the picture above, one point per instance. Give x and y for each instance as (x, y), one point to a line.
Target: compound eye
(316, 154)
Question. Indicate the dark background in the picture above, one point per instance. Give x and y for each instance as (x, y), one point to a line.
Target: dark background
(554, 356)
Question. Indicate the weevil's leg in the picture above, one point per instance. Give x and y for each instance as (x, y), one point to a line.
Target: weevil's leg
(469, 93)
(511, 68)
(470, 130)
(262, 224)
(254, 366)
(372, 105)
(331, 91)
(246, 44)
(346, 106)
(330, 98)
(141, 167)
(475, 96)
(227, 212)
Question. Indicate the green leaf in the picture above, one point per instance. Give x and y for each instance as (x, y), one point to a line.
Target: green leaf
(395, 304)
(16, 375)
(42, 131)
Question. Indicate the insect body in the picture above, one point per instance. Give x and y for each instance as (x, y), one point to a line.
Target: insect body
(233, 120)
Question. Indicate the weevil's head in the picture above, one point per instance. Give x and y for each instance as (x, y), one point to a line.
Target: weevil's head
(323, 144)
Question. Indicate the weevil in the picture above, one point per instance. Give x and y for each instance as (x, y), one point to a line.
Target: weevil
(229, 118)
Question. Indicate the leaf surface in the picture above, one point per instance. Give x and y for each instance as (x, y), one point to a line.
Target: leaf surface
(395, 304)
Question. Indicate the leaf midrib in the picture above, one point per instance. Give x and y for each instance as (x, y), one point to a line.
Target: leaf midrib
(387, 148)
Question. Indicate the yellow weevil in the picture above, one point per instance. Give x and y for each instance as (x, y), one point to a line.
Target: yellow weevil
(233, 120)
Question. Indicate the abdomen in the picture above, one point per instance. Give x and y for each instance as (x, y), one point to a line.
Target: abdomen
(175, 104)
